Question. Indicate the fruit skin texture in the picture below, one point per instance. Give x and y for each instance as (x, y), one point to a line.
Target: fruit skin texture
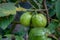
(38, 38)
(39, 34)
(39, 20)
(49, 39)
(25, 19)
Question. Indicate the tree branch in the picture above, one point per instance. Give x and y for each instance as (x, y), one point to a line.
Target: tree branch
(53, 36)
(45, 6)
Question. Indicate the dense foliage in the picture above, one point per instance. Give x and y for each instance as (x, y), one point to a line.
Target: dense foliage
(30, 19)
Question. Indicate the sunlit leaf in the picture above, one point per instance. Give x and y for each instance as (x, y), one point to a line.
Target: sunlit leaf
(19, 38)
(7, 9)
(9, 36)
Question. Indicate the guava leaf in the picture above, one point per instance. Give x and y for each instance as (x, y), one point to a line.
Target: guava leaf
(0, 37)
(5, 21)
(52, 26)
(12, 1)
(7, 9)
(57, 31)
(0, 1)
(9, 37)
(58, 9)
(35, 3)
(19, 38)
(20, 30)
(39, 1)
(51, 12)
(51, 7)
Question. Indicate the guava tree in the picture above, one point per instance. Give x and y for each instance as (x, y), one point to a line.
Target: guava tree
(30, 19)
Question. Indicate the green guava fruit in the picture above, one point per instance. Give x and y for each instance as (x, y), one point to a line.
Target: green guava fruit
(39, 20)
(39, 34)
(25, 19)
(38, 38)
(49, 39)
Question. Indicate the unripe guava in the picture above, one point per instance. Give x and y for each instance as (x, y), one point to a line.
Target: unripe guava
(25, 19)
(39, 20)
(37, 38)
(39, 34)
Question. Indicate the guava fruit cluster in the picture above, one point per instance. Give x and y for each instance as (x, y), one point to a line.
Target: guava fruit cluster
(39, 34)
(37, 20)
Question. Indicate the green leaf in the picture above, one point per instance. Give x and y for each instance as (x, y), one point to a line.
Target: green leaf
(0, 37)
(5, 21)
(34, 3)
(7, 9)
(51, 7)
(19, 38)
(20, 30)
(58, 9)
(10, 36)
(13, 0)
(52, 12)
(52, 26)
(0, 1)
(57, 31)
(40, 1)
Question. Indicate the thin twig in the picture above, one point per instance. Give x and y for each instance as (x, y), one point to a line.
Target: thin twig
(4, 1)
(23, 9)
(44, 1)
(53, 36)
